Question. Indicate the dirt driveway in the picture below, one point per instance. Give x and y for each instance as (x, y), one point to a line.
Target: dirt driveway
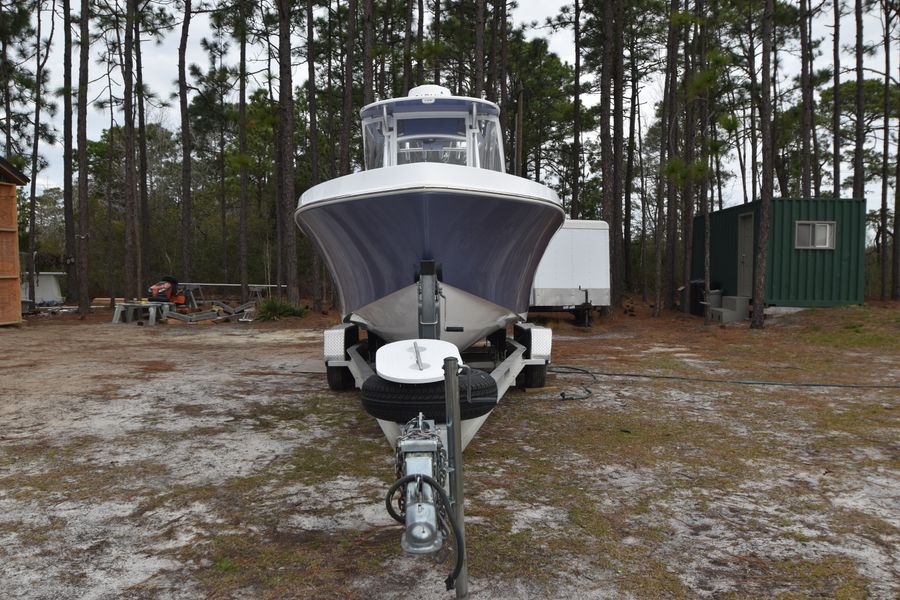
(213, 462)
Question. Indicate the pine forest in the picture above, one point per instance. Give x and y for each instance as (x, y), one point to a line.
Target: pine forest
(663, 110)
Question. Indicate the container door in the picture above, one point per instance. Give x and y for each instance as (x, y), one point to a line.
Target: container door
(745, 255)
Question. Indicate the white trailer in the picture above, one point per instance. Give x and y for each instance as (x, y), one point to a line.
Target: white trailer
(46, 288)
(573, 275)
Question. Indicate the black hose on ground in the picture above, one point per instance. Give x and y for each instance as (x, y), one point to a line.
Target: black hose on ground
(460, 550)
(388, 502)
(570, 370)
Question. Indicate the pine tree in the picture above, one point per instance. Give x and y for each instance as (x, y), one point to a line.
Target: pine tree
(186, 148)
(83, 246)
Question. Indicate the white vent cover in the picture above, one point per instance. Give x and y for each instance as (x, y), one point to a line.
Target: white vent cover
(397, 361)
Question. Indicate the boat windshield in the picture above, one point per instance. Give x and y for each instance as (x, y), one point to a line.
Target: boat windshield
(456, 138)
(373, 145)
(432, 149)
(488, 141)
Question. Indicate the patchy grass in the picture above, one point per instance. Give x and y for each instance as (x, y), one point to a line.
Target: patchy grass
(851, 327)
(66, 480)
(275, 564)
(643, 488)
(831, 577)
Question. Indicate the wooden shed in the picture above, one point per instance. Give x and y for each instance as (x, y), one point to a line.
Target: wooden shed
(815, 257)
(10, 293)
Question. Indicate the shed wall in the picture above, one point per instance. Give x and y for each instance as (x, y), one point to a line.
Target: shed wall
(723, 246)
(10, 302)
(816, 277)
(794, 277)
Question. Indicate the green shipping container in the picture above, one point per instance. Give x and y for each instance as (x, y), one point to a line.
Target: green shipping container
(816, 251)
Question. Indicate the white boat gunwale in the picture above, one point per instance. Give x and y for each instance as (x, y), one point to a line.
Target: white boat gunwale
(431, 177)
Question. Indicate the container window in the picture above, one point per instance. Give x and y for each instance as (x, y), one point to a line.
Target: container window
(814, 235)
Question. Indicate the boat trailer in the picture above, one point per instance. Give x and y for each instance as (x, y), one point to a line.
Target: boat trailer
(427, 496)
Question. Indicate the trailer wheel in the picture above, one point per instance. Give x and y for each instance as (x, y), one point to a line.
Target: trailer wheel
(340, 378)
(400, 402)
(532, 376)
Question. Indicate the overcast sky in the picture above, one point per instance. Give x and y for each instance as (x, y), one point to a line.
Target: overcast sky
(161, 64)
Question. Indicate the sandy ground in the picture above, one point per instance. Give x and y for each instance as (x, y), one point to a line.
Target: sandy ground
(212, 461)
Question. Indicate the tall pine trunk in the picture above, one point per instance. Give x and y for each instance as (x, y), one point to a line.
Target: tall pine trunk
(286, 146)
(642, 259)
(68, 210)
(690, 129)
(754, 102)
(107, 193)
(143, 194)
(629, 167)
(143, 201)
(40, 63)
(806, 102)
(478, 83)
(618, 81)
(407, 48)
(895, 262)
(765, 115)
(666, 121)
(671, 192)
(314, 123)
(607, 161)
(347, 111)
(186, 149)
(492, 55)
(705, 122)
(7, 107)
(859, 184)
(243, 175)
(504, 76)
(575, 209)
(836, 108)
(132, 256)
(885, 172)
(436, 39)
(368, 92)
(420, 44)
(84, 297)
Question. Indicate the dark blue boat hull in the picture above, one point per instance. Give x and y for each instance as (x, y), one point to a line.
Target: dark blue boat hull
(486, 245)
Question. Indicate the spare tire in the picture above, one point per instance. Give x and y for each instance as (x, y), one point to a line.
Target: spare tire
(400, 402)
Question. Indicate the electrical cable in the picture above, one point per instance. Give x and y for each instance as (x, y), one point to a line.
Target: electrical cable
(390, 508)
(450, 582)
(587, 394)
(571, 370)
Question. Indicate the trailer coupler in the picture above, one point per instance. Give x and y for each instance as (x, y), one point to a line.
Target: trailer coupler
(422, 467)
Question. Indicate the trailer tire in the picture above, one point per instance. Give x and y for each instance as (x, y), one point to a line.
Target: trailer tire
(532, 376)
(340, 378)
(400, 402)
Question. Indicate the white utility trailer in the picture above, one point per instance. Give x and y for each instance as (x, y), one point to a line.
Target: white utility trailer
(573, 275)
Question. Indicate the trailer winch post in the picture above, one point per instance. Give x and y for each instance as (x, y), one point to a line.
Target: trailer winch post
(454, 468)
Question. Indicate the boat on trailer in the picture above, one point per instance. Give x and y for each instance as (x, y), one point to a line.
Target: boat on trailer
(435, 241)
(433, 249)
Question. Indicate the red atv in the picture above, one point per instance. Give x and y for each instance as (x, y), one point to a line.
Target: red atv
(166, 290)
